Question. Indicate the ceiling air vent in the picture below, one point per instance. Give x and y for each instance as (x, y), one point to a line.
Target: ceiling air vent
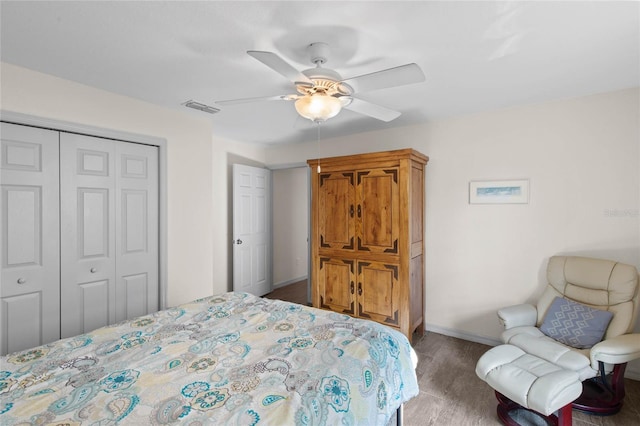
(201, 107)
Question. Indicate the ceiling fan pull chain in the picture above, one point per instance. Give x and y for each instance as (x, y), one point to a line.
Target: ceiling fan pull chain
(318, 123)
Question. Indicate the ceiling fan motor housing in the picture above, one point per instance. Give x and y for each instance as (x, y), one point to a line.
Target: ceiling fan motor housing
(326, 80)
(318, 52)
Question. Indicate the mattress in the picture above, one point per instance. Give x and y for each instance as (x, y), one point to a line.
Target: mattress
(232, 359)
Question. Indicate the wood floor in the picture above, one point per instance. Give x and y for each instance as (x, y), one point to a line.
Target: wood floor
(450, 392)
(296, 293)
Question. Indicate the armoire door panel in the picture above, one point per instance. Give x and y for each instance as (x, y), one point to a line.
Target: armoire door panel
(22, 321)
(29, 217)
(378, 292)
(336, 281)
(336, 202)
(378, 210)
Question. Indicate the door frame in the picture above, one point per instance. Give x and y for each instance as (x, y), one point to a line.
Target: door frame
(309, 173)
(161, 143)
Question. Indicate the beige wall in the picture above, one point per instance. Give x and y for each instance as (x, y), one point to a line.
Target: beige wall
(582, 157)
(196, 166)
(290, 225)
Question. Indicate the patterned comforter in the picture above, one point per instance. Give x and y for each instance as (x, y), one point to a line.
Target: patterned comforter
(232, 359)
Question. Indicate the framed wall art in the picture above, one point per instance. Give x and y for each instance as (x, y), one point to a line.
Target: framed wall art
(499, 191)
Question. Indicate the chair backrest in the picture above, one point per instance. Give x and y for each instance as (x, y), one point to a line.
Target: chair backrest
(599, 283)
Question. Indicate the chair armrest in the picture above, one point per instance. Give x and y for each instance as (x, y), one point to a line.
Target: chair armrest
(617, 350)
(518, 316)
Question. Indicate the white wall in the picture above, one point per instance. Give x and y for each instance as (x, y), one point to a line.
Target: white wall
(196, 162)
(582, 157)
(290, 225)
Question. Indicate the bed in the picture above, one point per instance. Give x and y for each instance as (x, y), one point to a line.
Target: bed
(233, 359)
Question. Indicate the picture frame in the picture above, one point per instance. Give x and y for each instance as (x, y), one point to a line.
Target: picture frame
(499, 191)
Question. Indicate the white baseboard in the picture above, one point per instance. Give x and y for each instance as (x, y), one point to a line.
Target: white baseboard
(630, 373)
(284, 283)
(462, 335)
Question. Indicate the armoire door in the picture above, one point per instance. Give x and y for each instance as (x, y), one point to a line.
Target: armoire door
(336, 210)
(30, 291)
(378, 210)
(378, 292)
(336, 284)
(109, 223)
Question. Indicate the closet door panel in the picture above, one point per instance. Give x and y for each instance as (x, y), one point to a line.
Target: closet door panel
(88, 226)
(29, 216)
(22, 321)
(137, 281)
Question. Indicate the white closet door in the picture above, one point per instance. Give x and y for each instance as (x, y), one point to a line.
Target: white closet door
(137, 282)
(88, 266)
(30, 291)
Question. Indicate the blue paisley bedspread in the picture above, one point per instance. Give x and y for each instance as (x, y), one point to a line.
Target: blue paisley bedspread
(231, 359)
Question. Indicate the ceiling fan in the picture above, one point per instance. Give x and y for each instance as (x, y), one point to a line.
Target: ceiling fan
(322, 92)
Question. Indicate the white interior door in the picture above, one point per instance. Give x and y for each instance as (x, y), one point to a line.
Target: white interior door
(251, 229)
(29, 212)
(137, 277)
(109, 201)
(88, 267)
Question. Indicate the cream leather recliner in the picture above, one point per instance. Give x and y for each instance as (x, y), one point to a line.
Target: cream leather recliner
(600, 284)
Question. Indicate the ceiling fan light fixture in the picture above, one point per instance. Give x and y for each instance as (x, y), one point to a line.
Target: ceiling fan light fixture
(318, 106)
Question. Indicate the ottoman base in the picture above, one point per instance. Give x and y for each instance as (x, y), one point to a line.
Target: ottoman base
(506, 406)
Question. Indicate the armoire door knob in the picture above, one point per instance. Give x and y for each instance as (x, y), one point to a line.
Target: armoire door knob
(21, 281)
(93, 270)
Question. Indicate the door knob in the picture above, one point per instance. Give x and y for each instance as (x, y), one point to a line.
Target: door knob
(93, 270)
(238, 241)
(21, 281)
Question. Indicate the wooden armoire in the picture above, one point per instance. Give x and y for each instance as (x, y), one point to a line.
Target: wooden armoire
(367, 231)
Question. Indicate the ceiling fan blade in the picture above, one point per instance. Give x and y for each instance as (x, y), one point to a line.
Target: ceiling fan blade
(258, 99)
(279, 65)
(391, 77)
(372, 110)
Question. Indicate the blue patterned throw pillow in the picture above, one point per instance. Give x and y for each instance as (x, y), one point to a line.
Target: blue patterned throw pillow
(575, 324)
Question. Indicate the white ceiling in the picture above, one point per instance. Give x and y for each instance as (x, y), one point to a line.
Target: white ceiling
(476, 55)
